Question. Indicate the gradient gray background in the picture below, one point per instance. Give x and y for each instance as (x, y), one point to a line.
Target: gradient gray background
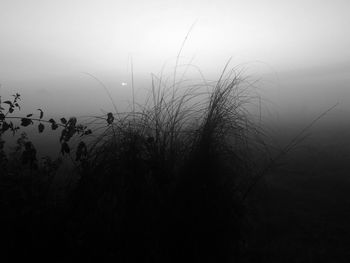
(298, 51)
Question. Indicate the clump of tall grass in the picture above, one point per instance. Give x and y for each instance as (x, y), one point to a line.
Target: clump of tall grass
(166, 179)
(163, 182)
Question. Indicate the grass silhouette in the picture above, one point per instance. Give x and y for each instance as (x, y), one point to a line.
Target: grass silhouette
(165, 179)
(165, 182)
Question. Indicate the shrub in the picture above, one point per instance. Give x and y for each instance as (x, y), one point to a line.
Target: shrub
(164, 182)
(166, 179)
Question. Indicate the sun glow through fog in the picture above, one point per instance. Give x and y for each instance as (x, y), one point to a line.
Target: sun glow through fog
(45, 44)
(100, 34)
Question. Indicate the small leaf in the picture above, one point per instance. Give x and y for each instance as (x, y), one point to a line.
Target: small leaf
(63, 120)
(52, 121)
(110, 118)
(25, 122)
(2, 116)
(11, 109)
(41, 127)
(8, 102)
(29, 115)
(41, 113)
(54, 126)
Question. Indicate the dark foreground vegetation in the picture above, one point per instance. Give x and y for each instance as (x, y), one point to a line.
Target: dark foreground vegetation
(169, 181)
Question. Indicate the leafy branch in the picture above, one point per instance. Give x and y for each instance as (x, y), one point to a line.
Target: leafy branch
(69, 127)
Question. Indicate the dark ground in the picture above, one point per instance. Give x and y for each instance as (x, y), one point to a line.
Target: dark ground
(303, 209)
(299, 213)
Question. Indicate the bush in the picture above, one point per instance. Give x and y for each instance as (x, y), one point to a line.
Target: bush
(165, 181)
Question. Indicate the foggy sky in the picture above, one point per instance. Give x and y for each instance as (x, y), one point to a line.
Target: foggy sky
(45, 45)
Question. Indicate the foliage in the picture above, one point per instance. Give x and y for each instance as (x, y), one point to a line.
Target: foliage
(69, 129)
(171, 174)
(164, 182)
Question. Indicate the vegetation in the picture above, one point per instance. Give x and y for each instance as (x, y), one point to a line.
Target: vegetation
(165, 182)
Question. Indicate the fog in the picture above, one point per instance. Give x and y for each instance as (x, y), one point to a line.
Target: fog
(156, 192)
(295, 52)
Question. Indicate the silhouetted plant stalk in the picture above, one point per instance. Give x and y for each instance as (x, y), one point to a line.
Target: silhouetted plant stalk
(179, 166)
(174, 123)
(273, 162)
(69, 129)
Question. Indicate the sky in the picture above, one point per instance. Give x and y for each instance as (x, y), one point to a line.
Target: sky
(297, 50)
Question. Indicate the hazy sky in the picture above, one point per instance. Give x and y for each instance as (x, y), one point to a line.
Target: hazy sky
(46, 44)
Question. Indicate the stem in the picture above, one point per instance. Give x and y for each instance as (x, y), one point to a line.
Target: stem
(289, 147)
(35, 119)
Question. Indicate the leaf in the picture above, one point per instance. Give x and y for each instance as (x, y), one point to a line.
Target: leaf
(41, 113)
(41, 127)
(54, 126)
(2, 116)
(8, 102)
(29, 115)
(65, 148)
(17, 105)
(110, 118)
(63, 121)
(11, 109)
(25, 122)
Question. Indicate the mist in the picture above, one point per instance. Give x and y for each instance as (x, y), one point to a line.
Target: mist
(298, 51)
(90, 58)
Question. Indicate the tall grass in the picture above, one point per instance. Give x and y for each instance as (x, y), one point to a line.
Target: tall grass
(165, 181)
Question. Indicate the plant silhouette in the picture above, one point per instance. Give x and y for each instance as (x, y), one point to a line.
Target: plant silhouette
(166, 182)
